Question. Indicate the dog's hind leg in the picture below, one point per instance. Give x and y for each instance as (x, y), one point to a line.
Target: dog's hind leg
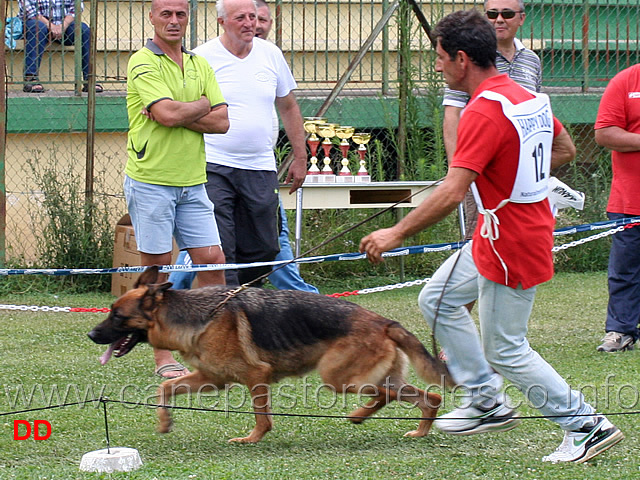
(427, 402)
(194, 382)
(383, 397)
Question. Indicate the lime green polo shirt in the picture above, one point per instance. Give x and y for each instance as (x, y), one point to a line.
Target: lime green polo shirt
(172, 156)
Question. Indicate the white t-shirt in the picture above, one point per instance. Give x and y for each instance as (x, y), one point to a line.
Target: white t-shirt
(250, 86)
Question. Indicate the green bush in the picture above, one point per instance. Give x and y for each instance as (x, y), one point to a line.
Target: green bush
(76, 230)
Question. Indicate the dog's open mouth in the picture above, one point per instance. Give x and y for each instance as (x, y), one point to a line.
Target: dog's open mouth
(120, 347)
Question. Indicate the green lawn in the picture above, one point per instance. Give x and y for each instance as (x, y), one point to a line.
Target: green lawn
(47, 359)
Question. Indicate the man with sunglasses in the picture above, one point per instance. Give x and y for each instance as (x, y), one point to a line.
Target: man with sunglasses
(520, 63)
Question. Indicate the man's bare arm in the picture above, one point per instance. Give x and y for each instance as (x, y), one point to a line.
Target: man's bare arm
(450, 122)
(292, 120)
(562, 150)
(618, 139)
(216, 121)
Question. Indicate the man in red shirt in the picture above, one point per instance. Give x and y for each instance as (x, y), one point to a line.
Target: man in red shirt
(618, 128)
(507, 141)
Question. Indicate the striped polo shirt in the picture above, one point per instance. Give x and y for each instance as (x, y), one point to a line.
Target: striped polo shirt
(525, 69)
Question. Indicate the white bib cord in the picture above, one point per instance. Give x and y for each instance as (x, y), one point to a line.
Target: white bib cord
(491, 231)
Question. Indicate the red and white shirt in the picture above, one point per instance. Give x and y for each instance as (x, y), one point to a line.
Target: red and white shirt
(489, 144)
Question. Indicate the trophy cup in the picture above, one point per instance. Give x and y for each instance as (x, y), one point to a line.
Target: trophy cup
(310, 126)
(344, 133)
(362, 138)
(327, 131)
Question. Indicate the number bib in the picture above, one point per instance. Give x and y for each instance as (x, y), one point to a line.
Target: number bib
(533, 121)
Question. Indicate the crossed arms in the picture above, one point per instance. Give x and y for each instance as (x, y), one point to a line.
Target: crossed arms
(198, 115)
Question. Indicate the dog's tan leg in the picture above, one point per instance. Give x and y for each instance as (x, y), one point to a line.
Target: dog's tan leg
(372, 406)
(193, 383)
(261, 400)
(428, 403)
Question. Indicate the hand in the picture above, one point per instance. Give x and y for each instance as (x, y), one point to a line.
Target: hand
(378, 242)
(55, 31)
(147, 113)
(297, 174)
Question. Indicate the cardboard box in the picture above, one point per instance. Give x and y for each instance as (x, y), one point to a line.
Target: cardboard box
(125, 254)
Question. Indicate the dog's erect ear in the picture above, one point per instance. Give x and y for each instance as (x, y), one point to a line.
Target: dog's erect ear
(160, 289)
(154, 295)
(148, 277)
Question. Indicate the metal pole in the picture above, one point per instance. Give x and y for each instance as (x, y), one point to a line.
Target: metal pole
(385, 54)
(585, 46)
(193, 24)
(298, 221)
(3, 140)
(278, 23)
(91, 113)
(77, 44)
(404, 79)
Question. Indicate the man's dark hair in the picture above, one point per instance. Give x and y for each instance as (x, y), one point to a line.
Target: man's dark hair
(471, 32)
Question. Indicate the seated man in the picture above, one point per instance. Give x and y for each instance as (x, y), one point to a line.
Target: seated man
(46, 21)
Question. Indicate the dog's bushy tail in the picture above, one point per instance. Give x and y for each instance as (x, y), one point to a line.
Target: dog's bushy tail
(427, 367)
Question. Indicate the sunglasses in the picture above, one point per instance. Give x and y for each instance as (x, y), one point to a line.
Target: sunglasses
(507, 13)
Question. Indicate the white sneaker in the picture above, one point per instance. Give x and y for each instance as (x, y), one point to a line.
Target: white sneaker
(581, 445)
(471, 420)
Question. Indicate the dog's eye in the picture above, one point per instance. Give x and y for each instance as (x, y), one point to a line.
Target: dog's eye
(118, 319)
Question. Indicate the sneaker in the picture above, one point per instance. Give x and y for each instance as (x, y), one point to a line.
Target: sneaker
(584, 444)
(616, 342)
(471, 420)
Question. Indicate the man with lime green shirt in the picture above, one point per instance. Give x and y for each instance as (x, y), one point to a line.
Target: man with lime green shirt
(172, 100)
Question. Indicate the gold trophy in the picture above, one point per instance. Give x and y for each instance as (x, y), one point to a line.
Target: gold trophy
(310, 126)
(327, 131)
(344, 133)
(362, 138)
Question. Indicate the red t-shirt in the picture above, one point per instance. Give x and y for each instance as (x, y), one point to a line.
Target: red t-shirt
(620, 107)
(489, 145)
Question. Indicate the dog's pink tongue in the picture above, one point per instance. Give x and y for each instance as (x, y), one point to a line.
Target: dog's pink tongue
(104, 358)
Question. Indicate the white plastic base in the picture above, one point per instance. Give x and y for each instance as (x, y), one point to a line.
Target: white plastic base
(116, 459)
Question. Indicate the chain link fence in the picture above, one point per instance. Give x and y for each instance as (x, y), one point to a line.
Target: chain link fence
(368, 64)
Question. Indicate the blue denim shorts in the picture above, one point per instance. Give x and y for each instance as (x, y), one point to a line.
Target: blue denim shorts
(160, 212)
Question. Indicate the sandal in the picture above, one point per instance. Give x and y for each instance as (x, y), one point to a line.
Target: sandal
(33, 87)
(99, 88)
(168, 368)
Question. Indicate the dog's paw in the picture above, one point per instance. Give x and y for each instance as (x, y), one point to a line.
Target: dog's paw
(416, 433)
(356, 420)
(243, 440)
(165, 427)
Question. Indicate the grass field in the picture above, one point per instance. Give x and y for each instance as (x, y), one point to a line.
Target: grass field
(47, 360)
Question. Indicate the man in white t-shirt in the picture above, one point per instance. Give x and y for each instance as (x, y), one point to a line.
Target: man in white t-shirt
(285, 277)
(241, 170)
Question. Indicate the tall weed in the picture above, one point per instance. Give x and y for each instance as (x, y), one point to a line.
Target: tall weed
(74, 232)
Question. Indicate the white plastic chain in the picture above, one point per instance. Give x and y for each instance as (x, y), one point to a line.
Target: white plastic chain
(413, 283)
(582, 241)
(34, 308)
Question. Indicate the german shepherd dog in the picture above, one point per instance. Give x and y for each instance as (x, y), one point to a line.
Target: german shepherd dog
(259, 337)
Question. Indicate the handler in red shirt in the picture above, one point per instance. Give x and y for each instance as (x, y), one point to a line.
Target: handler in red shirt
(507, 141)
